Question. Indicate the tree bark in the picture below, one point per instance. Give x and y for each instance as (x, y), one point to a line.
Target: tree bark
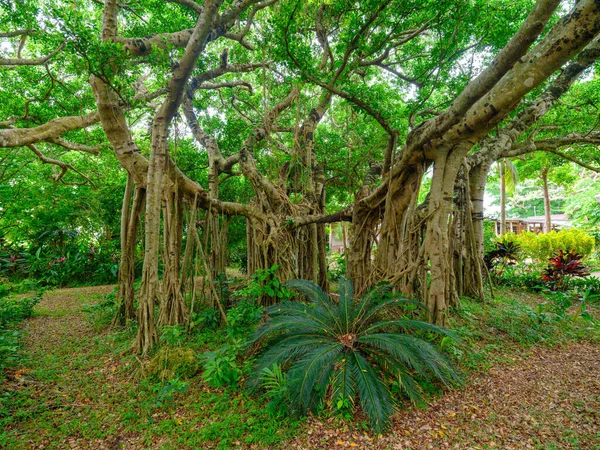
(502, 171)
(546, 193)
(122, 311)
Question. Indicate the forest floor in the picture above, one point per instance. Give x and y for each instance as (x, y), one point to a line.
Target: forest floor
(76, 390)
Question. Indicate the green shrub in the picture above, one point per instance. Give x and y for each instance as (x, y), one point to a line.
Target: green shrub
(525, 280)
(347, 350)
(489, 236)
(242, 316)
(265, 287)
(589, 285)
(505, 254)
(5, 289)
(541, 247)
(101, 314)
(13, 311)
(273, 381)
(221, 368)
(336, 264)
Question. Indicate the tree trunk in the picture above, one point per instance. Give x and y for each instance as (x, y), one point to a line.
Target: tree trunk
(173, 310)
(359, 265)
(147, 334)
(442, 286)
(467, 239)
(120, 316)
(502, 171)
(547, 209)
(130, 221)
(271, 244)
(477, 182)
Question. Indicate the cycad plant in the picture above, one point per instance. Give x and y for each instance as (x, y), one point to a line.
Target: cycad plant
(340, 352)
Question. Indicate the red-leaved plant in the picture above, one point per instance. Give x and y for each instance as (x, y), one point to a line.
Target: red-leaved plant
(562, 266)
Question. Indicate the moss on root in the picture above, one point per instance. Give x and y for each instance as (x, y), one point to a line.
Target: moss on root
(172, 362)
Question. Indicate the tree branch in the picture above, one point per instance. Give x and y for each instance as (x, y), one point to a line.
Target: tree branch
(191, 4)
(30, 62)
(74, 146)
(16, 137)
(63, 166)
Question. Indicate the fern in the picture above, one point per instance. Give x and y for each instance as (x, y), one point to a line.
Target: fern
(346, 353)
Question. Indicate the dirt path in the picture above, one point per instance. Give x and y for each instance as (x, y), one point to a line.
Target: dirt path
(549, 401)
(60, 316)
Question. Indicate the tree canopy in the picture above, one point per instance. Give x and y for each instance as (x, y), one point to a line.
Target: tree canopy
(245, 126)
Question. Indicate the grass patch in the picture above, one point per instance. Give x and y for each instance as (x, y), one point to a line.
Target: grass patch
(82, 391)
(502, 329)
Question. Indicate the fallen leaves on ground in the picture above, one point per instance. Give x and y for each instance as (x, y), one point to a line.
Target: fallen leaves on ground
(549, 400)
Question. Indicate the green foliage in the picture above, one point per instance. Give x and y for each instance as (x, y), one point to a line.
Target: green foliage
(541, 247)
(582, 206)
(512, 277)
(221, 368)
(241, 317)
(173, 335)
(590, 285)
(101, 313)
(506, 253)
(59, 259)
(265, 287)
(5, 289)
(348, 350)
(489, 236)
(206, 317)
(336, 263)
(12, 312)
(274, 383)
(163, 395)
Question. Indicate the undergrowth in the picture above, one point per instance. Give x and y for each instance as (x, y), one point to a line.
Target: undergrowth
(83, 390)
(13, 311)
(503, 328)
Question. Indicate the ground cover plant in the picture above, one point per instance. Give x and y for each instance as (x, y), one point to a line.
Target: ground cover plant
(13, 311)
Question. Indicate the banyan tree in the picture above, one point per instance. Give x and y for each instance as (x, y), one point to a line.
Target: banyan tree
(404, 105)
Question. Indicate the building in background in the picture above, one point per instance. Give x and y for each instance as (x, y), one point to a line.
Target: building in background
(533, 223)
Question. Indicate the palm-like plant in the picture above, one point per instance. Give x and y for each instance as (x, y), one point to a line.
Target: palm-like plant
(348, 350)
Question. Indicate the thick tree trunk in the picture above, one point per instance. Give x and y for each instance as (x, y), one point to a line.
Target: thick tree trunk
(359, 266)
(130, 222)
(322, 250)
(442, 291)
(467, 240)
(477, 183)
(173, 310)
(187, 272)
(547, 210)
(270, 244)
(149, 291)
(502, 171)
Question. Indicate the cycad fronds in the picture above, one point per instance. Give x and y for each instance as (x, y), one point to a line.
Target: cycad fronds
(346, 352)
